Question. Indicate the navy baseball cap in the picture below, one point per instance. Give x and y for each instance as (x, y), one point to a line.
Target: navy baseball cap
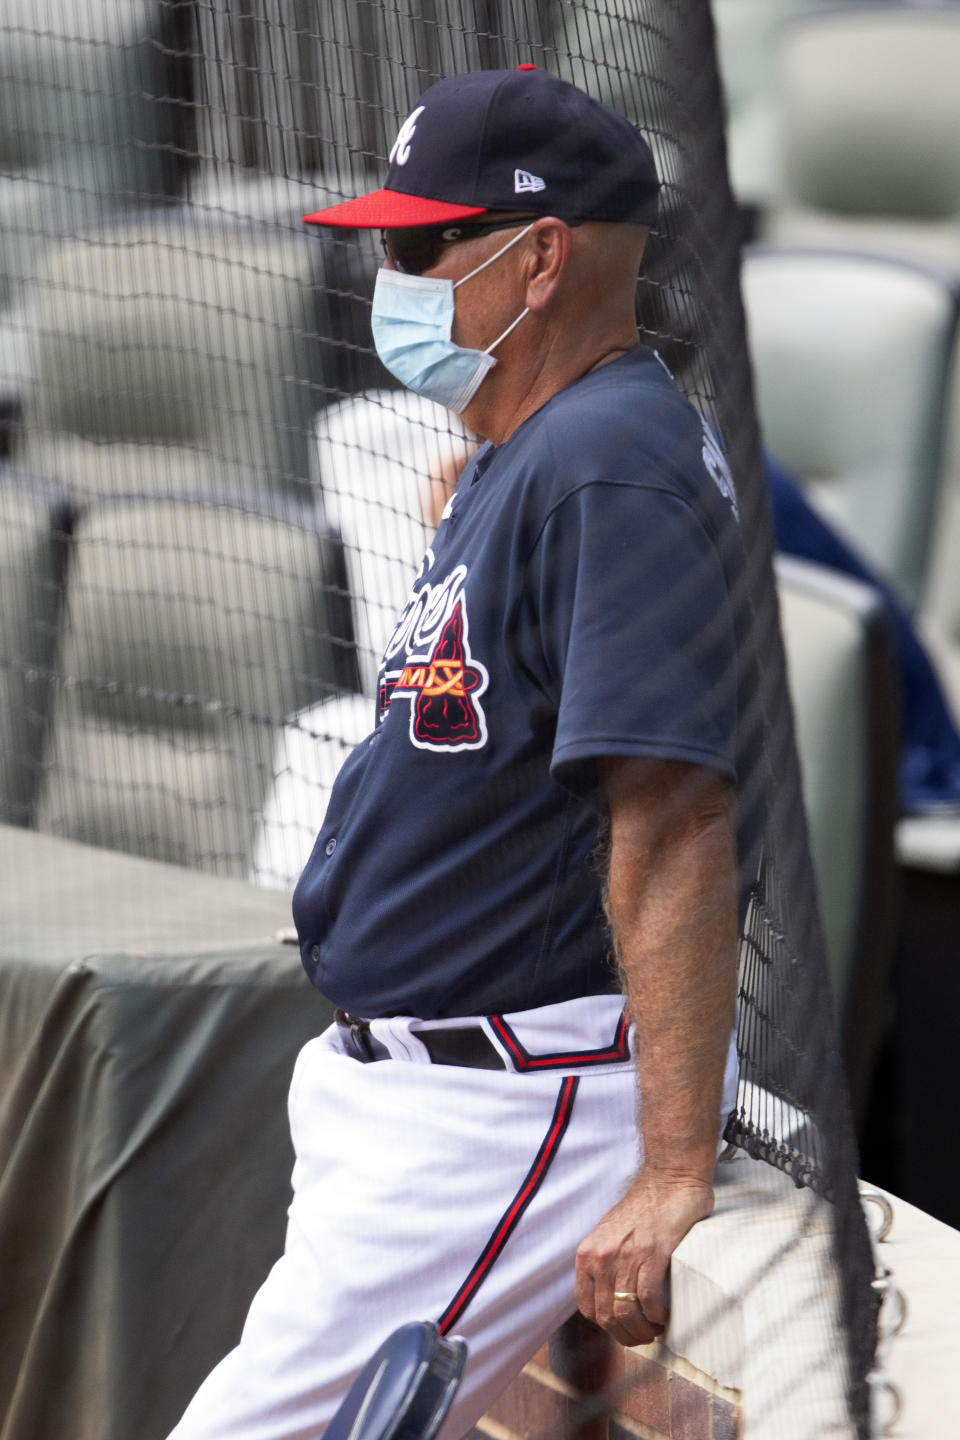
(508, 140)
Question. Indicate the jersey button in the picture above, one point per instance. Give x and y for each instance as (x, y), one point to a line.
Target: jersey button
(330, 846)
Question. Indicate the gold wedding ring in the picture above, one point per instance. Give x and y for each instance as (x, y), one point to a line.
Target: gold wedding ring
(626, 1295)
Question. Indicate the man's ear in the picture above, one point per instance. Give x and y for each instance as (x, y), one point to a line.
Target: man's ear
(547, 257)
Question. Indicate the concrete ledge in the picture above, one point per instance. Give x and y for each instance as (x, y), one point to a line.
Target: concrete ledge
(921, 1360)
(755, 1304)
(754, 1350)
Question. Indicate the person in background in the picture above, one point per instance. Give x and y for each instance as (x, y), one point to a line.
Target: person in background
(930, 742)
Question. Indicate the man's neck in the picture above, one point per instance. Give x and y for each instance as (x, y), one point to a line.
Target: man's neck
(496, 414)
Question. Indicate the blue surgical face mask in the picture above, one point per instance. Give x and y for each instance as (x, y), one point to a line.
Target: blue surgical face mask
(412, 323)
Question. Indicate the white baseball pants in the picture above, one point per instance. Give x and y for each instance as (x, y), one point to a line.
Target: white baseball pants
(432, 1192)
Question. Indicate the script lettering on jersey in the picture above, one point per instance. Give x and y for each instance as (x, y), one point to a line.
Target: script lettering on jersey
(717, 467)
(714, 460)
(428, 662)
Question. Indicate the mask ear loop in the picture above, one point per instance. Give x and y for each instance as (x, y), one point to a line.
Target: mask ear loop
(502, 251)
(490, 348)
(495, 256)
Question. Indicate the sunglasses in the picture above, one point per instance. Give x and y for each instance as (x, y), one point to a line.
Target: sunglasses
(418, 248)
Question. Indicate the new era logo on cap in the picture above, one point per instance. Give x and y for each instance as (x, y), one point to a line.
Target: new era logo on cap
(526, 184)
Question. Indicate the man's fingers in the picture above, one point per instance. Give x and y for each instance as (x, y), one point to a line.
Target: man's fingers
(614, 1303)
(650, 1292)
(585, 1290)
(638, 1289)
(632, 1315)
(628, 1324)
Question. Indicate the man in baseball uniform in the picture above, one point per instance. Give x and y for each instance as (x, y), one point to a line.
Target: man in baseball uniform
(524, 897)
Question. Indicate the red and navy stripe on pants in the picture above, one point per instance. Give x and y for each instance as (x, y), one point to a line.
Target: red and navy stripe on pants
(510, 1218)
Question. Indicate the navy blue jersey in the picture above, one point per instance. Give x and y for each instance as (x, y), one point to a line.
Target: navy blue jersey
(576, 602)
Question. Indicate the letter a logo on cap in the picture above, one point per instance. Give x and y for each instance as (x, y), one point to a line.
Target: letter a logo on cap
(401, 146)
(526, 184)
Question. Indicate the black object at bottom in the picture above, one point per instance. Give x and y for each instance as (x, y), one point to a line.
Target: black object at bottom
(927, 1055)
(405, 1389)
(467, 1045)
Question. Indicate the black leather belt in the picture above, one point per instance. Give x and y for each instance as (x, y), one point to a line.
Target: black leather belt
(468, 1045)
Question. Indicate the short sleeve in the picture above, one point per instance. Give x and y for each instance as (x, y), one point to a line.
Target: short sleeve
(636, 632)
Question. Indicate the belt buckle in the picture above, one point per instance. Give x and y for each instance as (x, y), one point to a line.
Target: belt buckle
(359, 1032)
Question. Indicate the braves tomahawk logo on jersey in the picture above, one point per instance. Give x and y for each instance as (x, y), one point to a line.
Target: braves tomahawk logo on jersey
(428, 663)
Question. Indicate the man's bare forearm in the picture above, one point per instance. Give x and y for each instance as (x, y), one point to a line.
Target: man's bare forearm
(672, 906)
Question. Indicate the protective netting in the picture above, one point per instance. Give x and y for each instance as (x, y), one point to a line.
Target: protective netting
(214, 499)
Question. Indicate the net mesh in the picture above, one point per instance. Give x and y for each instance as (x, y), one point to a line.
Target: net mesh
(214, 499)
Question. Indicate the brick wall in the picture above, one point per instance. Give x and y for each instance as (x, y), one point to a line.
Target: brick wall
(585, 1387)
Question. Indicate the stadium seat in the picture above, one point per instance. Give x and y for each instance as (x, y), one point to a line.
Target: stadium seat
(178, 352)
(940, 605)
(843, 686)
(851, 357)
(191, 630)
(348, 260)
(372, 457)
(746, 31)
(307, 756)
(868, 113)
(81, 130)
(930, 843)
(33, 534)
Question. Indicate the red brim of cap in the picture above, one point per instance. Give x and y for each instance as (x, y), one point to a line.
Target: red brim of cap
(390, 209)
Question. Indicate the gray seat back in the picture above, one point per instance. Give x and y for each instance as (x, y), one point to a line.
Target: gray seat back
(940, 606)
(191, 630)
(33, 521)
(843, 687)
(373, 455)
(176, 352)
(746, 33)
(81, 131)
(851, 358)
(868, 110)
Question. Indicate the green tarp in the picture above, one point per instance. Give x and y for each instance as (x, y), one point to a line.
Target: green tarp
(149, 1021)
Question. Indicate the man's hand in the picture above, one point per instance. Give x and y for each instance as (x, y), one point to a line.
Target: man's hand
(629, 1252)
